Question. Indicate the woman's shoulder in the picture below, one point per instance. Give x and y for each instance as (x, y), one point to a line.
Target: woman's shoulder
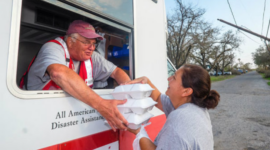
(186, 126)
(189, 109)
(185, 137)
(189, 113)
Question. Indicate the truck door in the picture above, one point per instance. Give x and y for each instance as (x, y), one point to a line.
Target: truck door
(53, 120)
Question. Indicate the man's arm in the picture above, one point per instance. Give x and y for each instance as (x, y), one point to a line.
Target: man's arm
(120, 76)
(73, 84)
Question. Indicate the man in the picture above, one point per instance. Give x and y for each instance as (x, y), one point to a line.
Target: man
(71, 64)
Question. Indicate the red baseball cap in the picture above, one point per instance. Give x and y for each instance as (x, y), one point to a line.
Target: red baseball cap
(84, 29)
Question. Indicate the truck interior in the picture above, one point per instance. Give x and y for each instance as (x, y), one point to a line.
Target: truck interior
(42, 21)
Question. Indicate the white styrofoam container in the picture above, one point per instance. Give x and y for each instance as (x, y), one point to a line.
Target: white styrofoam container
(141, 87)
(137, 106)
(140, 94)
(123, 88)
(135, 121)
(134, 91)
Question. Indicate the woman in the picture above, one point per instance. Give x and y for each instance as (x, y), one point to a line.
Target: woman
(188, 125)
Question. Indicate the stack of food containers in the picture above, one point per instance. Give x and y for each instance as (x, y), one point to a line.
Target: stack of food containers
(135, 110)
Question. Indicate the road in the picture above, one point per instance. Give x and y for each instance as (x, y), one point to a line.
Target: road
(241, 121)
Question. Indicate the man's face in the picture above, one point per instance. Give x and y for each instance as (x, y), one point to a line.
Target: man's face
(82, 49)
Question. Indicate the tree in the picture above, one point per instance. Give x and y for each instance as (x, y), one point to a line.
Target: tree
(227, 59)
(235, 66)
(211, 50)
(216, 52)
(204, 38)
(261, 57)
(246, 66)
(206, 41)
(180, 24)
(229, 43)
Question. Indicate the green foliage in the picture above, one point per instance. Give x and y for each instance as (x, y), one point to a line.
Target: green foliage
(246, 66)
(235, 66)
(228, 68)
(267, 74)
(236, 72)
(260, 70)
(261, 57)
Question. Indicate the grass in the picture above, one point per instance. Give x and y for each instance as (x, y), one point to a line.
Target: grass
(262, 74)
(220, 78)
(268, 79)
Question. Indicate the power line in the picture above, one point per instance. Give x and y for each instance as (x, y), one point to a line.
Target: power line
(236, 23)
(248, 12)
(231, 11)
(249, 37)
(263, 15)
(268, 28)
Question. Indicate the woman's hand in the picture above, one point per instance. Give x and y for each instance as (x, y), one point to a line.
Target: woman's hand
(142, 80)
(142, 140)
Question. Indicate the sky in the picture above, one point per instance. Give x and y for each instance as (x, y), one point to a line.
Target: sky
(247, 13)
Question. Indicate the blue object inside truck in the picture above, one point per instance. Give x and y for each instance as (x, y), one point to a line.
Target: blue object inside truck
(119, 52)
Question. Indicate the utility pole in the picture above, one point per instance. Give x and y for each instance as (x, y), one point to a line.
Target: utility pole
(248, 31)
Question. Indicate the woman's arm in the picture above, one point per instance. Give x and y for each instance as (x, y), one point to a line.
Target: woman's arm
(142, 140)
(155, 93)
(147, 144)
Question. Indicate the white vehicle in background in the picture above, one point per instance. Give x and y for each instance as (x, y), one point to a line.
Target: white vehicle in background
(213, 73)
(53, 120)
(227, 73)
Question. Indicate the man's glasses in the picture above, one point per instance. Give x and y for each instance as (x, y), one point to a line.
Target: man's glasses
(86, 43)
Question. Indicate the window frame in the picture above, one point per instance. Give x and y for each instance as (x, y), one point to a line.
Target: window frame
(80, 5)
(89, 15)
(14, 47)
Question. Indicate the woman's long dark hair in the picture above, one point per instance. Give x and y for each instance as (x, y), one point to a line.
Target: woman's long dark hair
(198, 79)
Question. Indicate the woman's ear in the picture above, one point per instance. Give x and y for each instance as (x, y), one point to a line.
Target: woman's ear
(187, 92)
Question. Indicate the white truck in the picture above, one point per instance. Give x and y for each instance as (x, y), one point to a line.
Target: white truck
(53, 120)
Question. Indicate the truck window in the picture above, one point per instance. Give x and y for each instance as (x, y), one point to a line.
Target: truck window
(42, 21)
(117, 9)
(171, 68)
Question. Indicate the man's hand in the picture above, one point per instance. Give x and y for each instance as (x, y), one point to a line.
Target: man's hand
(108, 109)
